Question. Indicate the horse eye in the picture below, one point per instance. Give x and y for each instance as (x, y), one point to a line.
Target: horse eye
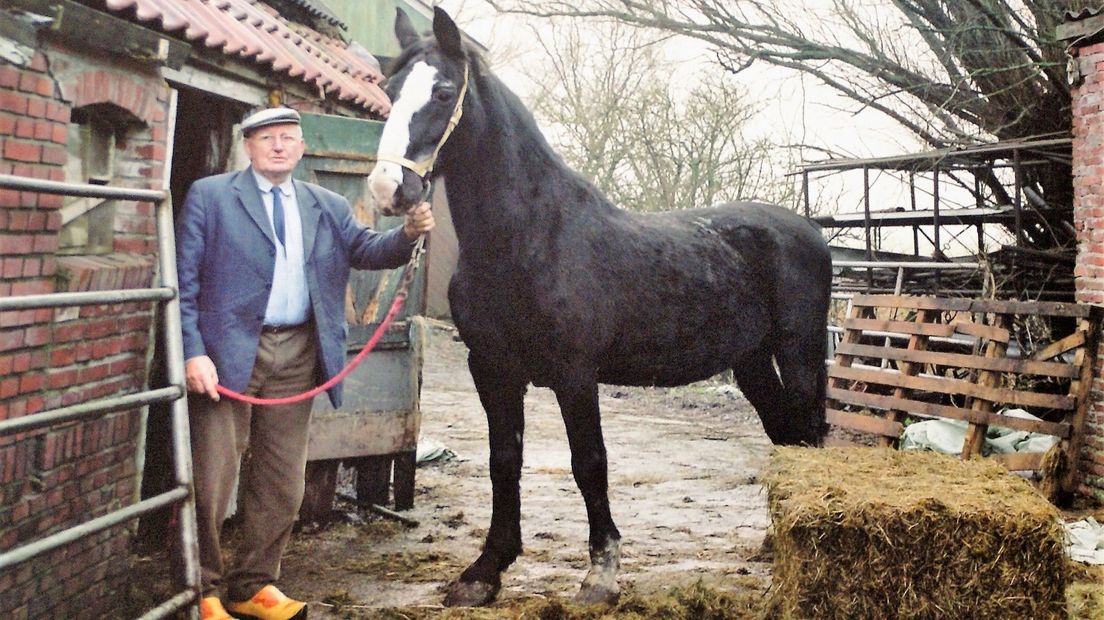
(443, 95)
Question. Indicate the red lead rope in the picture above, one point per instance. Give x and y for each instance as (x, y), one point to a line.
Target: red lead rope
(400, 298)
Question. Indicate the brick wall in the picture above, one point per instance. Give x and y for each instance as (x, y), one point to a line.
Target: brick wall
(60, 477)
(1088, 218)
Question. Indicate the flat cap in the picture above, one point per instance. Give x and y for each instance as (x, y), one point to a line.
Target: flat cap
(270, 116)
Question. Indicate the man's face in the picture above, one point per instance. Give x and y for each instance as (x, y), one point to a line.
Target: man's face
(275, 150)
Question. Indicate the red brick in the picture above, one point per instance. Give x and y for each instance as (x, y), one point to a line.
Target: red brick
(22, 151)
(36, 107)
(61, 379)
(11, 339)
(19, 220)
(46, 244)
(36, 336)
(50, 201)
(36, 221)
(24, 128)
(54, 155)
(32, 267)
(45, 86)
(43, 130)
(9, 76)
(13, 102)
(31, 382)
(59, 134)
(58, 112)
(9, 387)
(11, 267)
(16, 244)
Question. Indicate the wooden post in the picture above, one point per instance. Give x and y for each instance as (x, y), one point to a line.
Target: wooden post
(975, 432)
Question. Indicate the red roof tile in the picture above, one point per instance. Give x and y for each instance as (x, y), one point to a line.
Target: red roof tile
(253, 32)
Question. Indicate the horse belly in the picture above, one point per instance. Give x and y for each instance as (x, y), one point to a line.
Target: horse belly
(667, 361)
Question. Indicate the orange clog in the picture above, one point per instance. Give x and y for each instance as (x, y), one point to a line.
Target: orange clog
(210, 608)
(269, 604)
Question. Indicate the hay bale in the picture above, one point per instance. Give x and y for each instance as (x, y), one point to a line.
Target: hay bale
(880, 533)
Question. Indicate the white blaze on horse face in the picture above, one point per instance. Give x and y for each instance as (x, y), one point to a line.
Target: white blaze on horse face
(416, 92)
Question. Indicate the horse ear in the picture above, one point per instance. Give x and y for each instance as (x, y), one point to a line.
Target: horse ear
(447, 33)
(404, 29)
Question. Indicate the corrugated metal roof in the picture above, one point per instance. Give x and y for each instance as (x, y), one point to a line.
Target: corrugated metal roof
(254, 32)
(319, 9)
(1072, 16)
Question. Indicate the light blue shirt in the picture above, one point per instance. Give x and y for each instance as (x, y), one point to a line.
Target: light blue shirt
(289, 301)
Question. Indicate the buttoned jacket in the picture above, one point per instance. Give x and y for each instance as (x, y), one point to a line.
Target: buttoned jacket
(226, 255)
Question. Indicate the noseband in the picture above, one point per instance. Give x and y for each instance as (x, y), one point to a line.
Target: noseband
(423, 167)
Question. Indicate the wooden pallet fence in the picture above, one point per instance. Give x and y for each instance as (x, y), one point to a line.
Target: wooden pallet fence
(905, 358)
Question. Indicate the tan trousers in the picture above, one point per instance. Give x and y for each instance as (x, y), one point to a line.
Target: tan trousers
(272, 475)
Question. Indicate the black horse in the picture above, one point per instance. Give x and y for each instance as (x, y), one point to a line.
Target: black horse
(556, 287)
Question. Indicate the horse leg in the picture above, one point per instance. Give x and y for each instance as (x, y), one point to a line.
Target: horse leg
(578, 399)
(503, 399)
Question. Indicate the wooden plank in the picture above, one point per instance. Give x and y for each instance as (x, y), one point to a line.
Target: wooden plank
(1059, 347)
(989, 306)
(1060, 370)
(943, 330)
(925, 409)
(873, 425)
(1020, 461)
(975, 432)
(839, 442)
(849, 337)
(953, 386)
(84, 27)
(1082, 388)
(916, 343)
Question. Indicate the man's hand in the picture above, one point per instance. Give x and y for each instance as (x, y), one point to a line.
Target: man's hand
(418, 221)
(201, 376)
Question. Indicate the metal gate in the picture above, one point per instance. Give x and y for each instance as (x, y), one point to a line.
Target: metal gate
(180, 495)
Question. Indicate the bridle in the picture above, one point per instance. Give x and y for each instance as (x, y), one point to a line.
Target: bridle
(423, 167)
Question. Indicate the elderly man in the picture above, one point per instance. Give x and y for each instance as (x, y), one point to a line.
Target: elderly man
(263, 262)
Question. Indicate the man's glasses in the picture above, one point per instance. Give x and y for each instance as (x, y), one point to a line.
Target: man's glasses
(269, 139)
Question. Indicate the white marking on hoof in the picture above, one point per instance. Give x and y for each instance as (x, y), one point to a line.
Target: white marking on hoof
(600, 585)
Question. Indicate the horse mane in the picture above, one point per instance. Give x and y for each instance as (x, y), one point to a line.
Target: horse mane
(519, 128)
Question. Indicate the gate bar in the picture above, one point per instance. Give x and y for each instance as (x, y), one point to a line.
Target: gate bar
(173, 335)
(8, 181)
(88, 409)
(75, 533)
(59, 300)
(181, 494)
(170, 606)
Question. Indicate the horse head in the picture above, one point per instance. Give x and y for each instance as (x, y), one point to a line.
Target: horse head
(427, 84)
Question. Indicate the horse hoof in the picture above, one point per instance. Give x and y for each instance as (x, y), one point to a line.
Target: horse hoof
(598, 594)
(470, 594)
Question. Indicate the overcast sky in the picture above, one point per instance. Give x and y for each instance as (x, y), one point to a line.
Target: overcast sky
(795, 109)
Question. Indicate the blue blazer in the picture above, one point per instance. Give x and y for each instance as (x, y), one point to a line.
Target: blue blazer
(226, 255)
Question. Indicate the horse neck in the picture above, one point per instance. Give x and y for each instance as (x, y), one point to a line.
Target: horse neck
(496, 174)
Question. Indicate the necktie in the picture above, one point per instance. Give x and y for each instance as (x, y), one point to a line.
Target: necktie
(278, 214)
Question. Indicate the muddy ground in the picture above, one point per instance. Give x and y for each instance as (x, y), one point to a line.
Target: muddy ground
(684, 465)
(683, 489)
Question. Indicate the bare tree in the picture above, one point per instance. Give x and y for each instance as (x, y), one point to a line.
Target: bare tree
(615, 116)
(951, 72)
